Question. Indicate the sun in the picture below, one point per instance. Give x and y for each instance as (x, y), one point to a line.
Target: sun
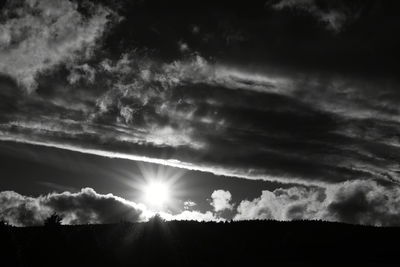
(157, 187)
(157, 194)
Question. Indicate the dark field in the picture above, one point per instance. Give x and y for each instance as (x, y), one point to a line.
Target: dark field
(157, 243)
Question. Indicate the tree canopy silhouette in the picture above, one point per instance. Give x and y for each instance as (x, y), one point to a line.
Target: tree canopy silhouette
(53, 220)
(190, 243)
(3, 223)
(156, 219)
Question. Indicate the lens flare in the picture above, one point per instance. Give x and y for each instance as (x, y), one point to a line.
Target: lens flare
(157, 194)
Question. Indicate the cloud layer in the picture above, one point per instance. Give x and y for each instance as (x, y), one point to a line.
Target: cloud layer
(38, 35)
(258, 94)
(355, 202)
(84, 207)
(191, 113)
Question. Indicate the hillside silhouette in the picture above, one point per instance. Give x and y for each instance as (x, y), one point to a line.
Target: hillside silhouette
(189, 243)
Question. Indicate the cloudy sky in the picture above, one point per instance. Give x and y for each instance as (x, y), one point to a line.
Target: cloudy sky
(282, 110)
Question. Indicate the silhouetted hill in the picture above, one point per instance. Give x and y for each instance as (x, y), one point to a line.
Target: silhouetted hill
(247, 243)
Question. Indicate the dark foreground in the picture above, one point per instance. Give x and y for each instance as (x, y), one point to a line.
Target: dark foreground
(253, 243)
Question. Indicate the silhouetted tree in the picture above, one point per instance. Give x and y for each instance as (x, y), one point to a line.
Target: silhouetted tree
(156, 219)
(53, 220)
(3, 224)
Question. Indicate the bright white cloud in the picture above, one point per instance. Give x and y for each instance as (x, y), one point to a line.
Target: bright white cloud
(358, 202)
(277, 204)
(217, 170)
(221, 200)
(189, 204)
(192, 215)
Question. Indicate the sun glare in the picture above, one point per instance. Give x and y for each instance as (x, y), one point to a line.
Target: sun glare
(157, 194)
(159, 188)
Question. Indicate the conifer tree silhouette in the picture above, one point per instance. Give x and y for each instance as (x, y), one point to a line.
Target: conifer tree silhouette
(53, 220)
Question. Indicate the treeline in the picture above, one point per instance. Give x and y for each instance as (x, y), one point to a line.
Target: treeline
(189, 243)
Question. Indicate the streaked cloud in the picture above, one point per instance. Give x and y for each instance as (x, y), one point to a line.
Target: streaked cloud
(206, 116)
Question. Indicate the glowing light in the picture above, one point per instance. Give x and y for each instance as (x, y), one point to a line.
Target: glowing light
(157, 194)
(158, 187)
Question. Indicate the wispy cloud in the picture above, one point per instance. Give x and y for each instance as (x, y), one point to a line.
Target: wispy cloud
(217, 170)
(41, 34)
(334, 17)
(194, 114)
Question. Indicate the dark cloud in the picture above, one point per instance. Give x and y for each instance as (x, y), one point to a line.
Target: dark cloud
(284, 128)
(334, 14)
(83, 207)
(365, 203)
(281, 38)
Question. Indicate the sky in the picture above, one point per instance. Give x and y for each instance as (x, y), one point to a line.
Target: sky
(280, 110)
